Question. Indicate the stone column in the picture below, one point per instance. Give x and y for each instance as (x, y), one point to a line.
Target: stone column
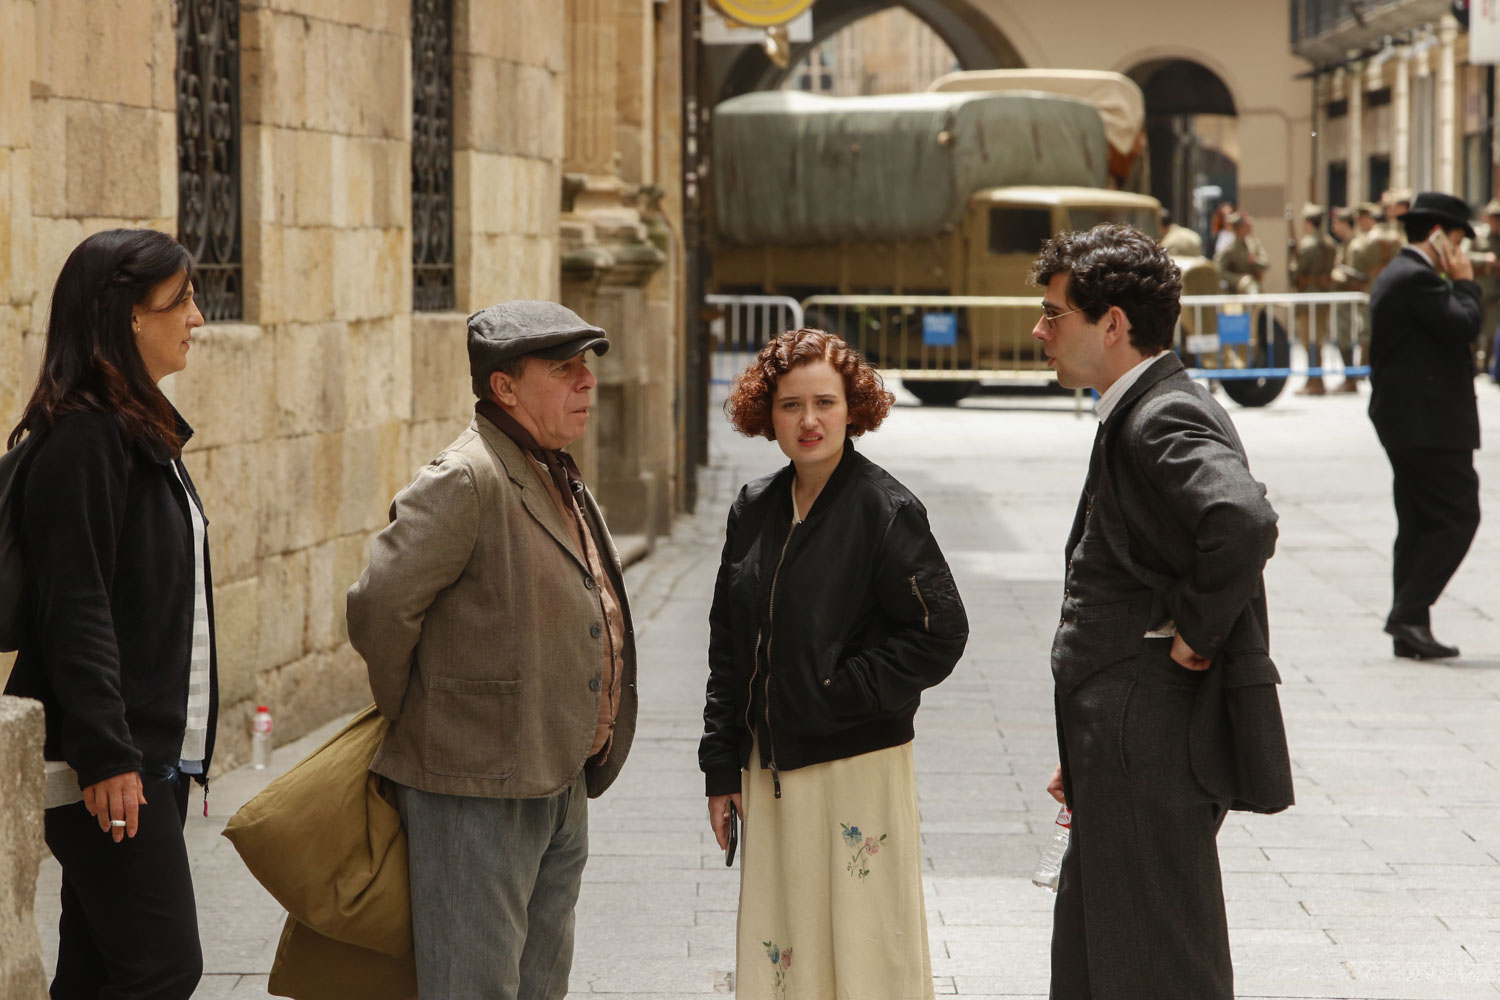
(1494, 99)
(589, 142)
(1334, 86)
(21, 730)
(607, 254)
(634, 114)
(1401, 120)
(1356, 161)
(664, 294)
(1446, 175)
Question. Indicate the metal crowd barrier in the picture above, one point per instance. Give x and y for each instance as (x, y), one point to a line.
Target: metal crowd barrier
(741, 325)
(1226, 322)
(942, 346)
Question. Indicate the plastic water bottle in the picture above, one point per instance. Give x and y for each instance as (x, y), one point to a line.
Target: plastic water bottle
(1050, 866)
(260, 738)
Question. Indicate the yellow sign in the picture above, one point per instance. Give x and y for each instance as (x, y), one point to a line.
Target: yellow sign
(761, 13)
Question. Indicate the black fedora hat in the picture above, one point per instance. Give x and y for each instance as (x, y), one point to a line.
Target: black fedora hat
(1444, 210)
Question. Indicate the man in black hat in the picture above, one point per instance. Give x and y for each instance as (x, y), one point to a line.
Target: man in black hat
(1425, 310)
(493, 621)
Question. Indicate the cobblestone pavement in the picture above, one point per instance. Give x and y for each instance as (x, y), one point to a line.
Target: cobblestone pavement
(1382, 882)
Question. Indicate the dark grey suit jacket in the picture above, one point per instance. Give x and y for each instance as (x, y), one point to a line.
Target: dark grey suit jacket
(1175, 501)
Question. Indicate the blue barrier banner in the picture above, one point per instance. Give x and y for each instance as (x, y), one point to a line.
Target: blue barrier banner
(1234, 328)
(940, 329)
(1235, 374)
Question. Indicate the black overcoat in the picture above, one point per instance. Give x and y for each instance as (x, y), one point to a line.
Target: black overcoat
(1421, 368)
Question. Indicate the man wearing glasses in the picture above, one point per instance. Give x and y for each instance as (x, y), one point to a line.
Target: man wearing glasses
(1161, 642)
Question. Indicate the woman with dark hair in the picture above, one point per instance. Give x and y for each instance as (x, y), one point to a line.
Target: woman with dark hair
(833, 610)
(118, 643)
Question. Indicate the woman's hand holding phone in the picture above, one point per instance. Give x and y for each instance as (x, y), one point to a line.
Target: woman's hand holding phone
(720, 819)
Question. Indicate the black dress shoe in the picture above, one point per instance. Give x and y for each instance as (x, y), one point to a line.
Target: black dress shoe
(1415, 642)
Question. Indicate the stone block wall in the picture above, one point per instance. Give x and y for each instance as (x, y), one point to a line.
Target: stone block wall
(303, 410)
(17, 280)
(21, 975)
(621, 260)
(312, 411)
(317, 406)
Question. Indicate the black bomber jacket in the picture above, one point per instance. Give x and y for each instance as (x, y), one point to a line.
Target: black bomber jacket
(823, 636)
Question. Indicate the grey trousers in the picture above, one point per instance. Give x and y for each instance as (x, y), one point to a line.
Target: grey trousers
(493, 886)
(1140, 903)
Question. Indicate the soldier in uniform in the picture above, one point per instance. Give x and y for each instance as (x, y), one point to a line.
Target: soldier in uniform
(1360, 259)
(1396, 202)
(1179, 241)
(1312, 271)
(1391, 234)
(1242, 263)
(1342, 227)
(1346, 279)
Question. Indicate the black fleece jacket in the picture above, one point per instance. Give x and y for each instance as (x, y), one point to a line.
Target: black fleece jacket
(823, 637)
(108, 548)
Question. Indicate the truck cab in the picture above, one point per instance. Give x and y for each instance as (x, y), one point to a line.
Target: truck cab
(1005, 227)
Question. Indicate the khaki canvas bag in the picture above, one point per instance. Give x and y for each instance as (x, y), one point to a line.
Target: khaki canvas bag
(310, 966)
(328, 845)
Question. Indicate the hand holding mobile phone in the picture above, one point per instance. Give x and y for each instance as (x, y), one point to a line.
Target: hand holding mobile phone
(734, 836)
(1439, 242)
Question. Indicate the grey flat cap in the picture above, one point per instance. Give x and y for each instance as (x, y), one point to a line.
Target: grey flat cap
(529, 326)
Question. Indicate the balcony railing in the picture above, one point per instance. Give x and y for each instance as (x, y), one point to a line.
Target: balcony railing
(1311, 18)
(1324, 30)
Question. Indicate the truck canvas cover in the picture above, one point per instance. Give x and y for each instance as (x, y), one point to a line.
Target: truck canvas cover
(1120, 102)
(793, 168)
(1121, 105)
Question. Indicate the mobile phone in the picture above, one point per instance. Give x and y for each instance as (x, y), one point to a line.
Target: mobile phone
(734, 836)
(1439, 241)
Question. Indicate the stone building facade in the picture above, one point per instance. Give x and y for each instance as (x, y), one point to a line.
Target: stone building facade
(317, 404)
(1398, 104)
(892, 52)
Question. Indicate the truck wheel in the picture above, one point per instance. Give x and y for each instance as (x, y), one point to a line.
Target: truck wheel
(1261, 391)
(934, 392)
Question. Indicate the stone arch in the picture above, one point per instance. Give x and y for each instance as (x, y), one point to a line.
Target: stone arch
(976, 42)
(1178, 90)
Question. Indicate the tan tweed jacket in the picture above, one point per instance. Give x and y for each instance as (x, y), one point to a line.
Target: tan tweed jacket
(481, 629)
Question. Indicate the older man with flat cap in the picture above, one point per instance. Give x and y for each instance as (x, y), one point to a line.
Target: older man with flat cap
(1426, 311)
(493, 620)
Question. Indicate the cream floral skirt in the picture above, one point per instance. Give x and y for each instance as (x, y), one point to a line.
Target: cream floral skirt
(831, 888)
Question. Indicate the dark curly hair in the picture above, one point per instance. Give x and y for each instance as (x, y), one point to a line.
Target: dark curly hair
(1115, 265)
(749, 404)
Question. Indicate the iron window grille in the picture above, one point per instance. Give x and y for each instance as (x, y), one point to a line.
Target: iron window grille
(432, 155)
(208, 151)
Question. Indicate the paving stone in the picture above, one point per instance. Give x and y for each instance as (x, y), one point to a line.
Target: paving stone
(1382, 883)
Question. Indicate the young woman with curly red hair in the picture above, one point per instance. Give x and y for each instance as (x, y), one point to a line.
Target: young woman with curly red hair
(833, 610)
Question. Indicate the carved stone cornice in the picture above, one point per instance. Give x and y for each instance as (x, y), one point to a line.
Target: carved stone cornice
(602, 236)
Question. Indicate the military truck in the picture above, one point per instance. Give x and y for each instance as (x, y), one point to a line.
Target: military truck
(947, 193)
